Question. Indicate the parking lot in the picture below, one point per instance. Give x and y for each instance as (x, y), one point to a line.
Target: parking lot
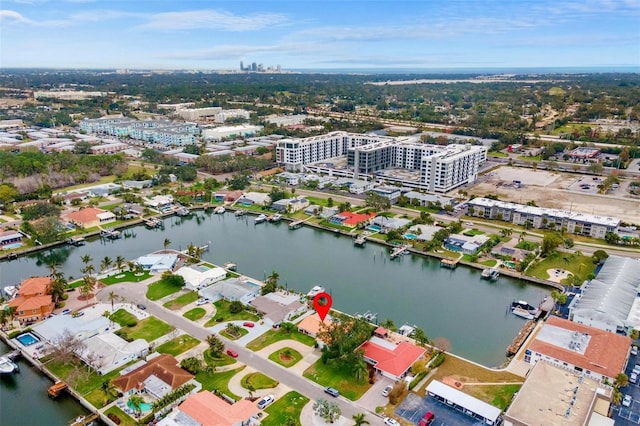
(414, 407)
(629, 415)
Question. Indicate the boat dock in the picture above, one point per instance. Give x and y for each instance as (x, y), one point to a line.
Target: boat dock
(360, 240)
(397, 251)
(56, 389)
(514, 347)
(152, 222)
(84, 420)
(110, 234)
(76, 241)
(449, 263)
(297, 224)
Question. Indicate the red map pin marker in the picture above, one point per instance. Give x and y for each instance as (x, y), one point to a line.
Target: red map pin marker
(322, 303)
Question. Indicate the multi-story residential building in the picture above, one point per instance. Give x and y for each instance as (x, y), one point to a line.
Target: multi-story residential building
(541, 217)
(67, 95)
(196, 113)
(226, 114)
(164, 132)
(403, 160)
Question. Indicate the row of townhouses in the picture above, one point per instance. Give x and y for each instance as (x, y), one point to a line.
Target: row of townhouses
(403, 160)
(541, 217)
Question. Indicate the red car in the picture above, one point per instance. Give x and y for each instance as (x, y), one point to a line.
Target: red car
(248, 324)
(232, 353)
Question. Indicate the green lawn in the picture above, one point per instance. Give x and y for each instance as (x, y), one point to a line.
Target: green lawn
(195, 314)
(230, 336)
(148, 329)
(273, 336)
(580, 266)
(224, 314)
(490, 263)
(258, 381)
(123, 317)
(289, 405)
(181, 301)
(125, 277)
(286, 357)
(161, 289)
(496, 154)
(530, 158)
(337, 376)
(218, 381)
(473, 232)
(125, 419)
(178, 345)
(527, 245)
(217, 362)
(497, 395)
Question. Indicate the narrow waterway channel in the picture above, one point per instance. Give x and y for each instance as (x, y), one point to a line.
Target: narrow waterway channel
(456, 304)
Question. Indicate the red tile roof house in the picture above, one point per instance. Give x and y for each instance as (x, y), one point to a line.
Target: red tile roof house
(158, 377)
(391, 359)
(206, 409)
(591, 351)
(33, 302)
(351, 220)
(89, 217)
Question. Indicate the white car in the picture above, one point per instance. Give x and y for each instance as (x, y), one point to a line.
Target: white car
(386, 390)
(634, 350)
(633, 378)
(262, 404)
(627, 401)
(202, 301)
(391, 422)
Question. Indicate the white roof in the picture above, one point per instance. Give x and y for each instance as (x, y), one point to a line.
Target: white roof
(467, 401)
(197, 275)
(53, 327)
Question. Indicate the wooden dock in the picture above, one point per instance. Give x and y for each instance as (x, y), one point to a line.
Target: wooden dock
(449, 263)
(399, 250)
(84, 420)
(56, 389)
(297, 224)
(76, 241)
(514, 347)
(152, 223)
(360, 240)
(110, 234)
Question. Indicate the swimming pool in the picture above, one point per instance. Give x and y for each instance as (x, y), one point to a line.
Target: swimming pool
(410, 236)
(144, 406)
(11, 246)
(375, 228)
(27, 339)
(253, 284)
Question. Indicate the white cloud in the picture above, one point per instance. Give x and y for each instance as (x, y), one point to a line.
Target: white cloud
(12, 16)
(213, 20)
(236, 51)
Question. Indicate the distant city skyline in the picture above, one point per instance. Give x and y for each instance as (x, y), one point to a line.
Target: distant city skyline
(310, 34)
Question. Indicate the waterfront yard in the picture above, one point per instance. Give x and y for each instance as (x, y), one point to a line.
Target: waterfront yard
(160, 289)
(273, 336)
(578, 264)
(125, 419)
(178, 345)
(497, 395)
(257, 381)
(223, 313)
(286, 357)
(181, 301)
(148, 329)
(195, 314)
(288, 406)
(338, 376)
(218, 381)
(123, 277)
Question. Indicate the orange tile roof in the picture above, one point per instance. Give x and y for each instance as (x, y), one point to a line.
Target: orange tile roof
(312, 324)
(605, 354)
(34, 286)
(395, 361)
(22, 303)
(86, 215)
(352, 219)
(165, 367)
(209, 410)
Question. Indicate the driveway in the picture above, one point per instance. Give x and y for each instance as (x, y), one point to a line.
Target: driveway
(373, 397)
(628, 416)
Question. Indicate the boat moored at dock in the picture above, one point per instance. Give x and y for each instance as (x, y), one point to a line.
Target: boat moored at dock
(230, 266)
(239, 213)
(523, 309)
(7, 366)
(261, 218)
(275, 218)
(490, 274)
(315, 290)
(219, 210)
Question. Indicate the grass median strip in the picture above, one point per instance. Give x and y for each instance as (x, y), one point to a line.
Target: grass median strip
(273, 336)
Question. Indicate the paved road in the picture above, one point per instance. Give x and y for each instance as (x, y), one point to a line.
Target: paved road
(135, 293)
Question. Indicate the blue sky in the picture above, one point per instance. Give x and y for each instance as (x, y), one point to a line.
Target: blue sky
(319, 34)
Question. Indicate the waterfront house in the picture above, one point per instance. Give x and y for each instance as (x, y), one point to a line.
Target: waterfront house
(33, 302)
(106, 352)
(251, 198)
(160, 202)
(351, 220)
(232, 289)
(279, 306)
(290, 205)
(157, 263)
(197, 277)
(81, 328)
(89, 217)
(227, 196)
(206, 409)
(467, 244)
(311, 325)
(390, 223)
(10, 239)
(391, 358)
(584, 402)
(322, 211)
(576, 347)
(157, 378)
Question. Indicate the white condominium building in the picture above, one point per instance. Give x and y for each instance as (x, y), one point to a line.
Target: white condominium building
(196, 113)
(402, 160)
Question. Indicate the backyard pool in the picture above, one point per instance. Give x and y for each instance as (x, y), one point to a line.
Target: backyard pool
(27, 339)
(409, 236)
(11, 246)
(144, 406)
(374, 228)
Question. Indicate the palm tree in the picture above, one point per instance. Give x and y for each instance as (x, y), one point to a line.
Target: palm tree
(359, 419)
(360, 370)
(136, 402)
(131, 265)
(120, 262)
(273, 278)
(108, 389)
(106, 263)
(621, 380)
(86, 259)
(112, 298)
(88, 283)
(58, 287)
(166, 243)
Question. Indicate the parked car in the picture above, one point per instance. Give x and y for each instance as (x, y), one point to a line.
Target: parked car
(77, 314)
(141, 306)
(202, 301)
(248, 324)
(636, 370)
(391, 422)
(262, 404)
(386, 390)
(634, 350)
(333, 392)
(427, 419)
(232, 353)
(627, 401)
(633, 378)
(66, 311)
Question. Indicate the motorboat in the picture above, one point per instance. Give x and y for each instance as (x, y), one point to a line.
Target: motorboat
(10, 291)
(230, 266)
(260, 218)
(7, 366)
(522, 313)
(219, 210)
(276, 217)
(490, 273)
(239, 213)
(523, 309)
(315, 290)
